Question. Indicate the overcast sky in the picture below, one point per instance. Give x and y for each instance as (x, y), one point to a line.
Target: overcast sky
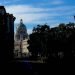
(35, 12)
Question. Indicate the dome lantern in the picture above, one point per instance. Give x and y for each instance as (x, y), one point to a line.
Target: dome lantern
(21, 21)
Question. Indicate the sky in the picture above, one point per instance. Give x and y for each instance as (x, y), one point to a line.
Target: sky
(34, 12)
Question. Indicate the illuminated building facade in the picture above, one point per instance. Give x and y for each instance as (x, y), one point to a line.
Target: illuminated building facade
(20, 41)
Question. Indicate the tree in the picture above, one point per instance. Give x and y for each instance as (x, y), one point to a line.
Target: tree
(38, 40)
(57, 43)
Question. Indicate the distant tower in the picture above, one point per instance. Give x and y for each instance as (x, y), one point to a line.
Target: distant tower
(21, 32)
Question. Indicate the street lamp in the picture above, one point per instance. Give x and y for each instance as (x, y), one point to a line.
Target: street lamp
(21, 47)
(21, 39)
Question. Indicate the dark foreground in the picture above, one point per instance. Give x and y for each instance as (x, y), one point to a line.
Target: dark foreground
(29, 68)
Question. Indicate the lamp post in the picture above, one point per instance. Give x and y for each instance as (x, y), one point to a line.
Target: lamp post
(21, 45)
(21, 48)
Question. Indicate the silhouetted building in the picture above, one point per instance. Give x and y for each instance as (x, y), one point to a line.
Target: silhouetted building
(6, 34)
(20, 41)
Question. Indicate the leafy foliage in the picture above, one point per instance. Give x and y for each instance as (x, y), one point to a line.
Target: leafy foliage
(56, 43)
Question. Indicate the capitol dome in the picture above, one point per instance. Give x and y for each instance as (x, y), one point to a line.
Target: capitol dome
(21, 31)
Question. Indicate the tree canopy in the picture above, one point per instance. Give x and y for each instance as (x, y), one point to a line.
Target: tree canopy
(55, 43)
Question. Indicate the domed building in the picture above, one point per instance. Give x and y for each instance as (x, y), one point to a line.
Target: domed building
(20, 40)
(21, 33)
